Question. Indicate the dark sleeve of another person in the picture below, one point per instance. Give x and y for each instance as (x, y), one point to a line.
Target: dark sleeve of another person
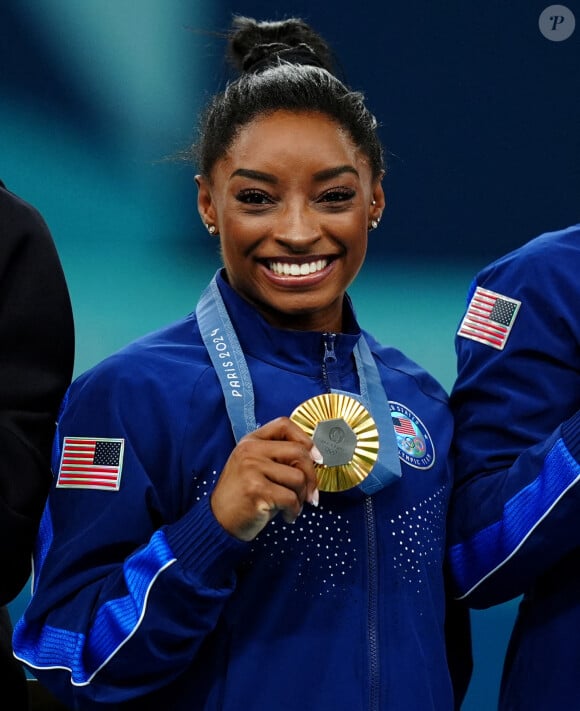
(36, 362)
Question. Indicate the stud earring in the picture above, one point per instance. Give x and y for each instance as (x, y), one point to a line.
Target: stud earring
(210, 228)
(374, 224)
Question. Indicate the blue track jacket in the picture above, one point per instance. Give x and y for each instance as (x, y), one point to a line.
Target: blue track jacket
(516, 511)
(142, 601)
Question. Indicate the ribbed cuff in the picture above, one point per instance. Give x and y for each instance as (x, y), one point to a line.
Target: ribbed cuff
(203, 547)
(571, 435)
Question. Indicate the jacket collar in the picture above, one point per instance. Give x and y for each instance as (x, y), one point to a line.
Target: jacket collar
(298, 351)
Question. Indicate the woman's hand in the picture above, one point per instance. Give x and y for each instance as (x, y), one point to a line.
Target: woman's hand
(271, 470)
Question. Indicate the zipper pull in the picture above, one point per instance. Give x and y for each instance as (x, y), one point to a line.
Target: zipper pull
(329, 363)
(329, 354)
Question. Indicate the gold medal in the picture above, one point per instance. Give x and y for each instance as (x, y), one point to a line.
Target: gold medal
(346, 435)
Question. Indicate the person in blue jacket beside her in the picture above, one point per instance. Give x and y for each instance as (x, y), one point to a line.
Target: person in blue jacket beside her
(249, 505)
(515, 511)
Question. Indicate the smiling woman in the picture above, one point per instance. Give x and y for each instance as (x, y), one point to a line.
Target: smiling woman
(197, 550)
(293, 232)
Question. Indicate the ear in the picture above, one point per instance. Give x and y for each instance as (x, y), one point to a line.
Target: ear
(205, 205)
(378, 200)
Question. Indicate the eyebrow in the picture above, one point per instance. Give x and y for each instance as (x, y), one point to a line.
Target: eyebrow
(320, 176)
(255, 175)
(330, 173)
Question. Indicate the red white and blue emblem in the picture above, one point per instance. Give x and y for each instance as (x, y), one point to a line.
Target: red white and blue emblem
(489, 318)
(413, 439)
(91, 463)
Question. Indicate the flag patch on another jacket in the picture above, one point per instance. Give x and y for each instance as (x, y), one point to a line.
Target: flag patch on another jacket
(489, 318)
(91, 463)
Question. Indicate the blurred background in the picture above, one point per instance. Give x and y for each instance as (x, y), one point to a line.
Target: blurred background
(479, 106)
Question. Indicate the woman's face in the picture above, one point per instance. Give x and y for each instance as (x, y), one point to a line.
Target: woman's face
(292, 202)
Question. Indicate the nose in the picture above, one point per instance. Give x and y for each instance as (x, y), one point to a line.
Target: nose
(298, 228)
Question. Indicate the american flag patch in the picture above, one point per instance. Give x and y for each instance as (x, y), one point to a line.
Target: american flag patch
(91, 463)
(403, 426)
(489, 318)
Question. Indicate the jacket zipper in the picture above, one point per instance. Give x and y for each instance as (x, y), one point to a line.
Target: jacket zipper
(329, 363)
(331, 378)
(373, 613)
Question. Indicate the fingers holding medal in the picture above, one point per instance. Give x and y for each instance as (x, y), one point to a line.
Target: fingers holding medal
(270, 471)
(329, 443)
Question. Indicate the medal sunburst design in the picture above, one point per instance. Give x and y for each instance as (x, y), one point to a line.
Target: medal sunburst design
(332, 406)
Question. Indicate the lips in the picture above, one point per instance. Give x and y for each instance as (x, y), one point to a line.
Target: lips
(297, 268)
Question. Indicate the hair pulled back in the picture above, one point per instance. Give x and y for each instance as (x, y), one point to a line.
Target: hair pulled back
(283, 65)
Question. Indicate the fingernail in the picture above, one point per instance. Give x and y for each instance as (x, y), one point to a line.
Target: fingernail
(315, 454)
(314, 498)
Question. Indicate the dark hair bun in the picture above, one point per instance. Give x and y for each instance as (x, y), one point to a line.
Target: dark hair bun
(255, 46)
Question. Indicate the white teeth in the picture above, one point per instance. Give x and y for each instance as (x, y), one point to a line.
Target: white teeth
(285, 269)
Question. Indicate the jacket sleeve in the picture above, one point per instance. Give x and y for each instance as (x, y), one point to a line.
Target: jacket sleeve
(128, 582)
(36, 361)
(517, 501)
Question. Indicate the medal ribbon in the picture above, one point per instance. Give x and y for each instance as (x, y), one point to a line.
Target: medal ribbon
(224, 349)
(223, 346)
(372, 393)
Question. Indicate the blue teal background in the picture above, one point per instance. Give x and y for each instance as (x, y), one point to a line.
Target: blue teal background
(479, 113)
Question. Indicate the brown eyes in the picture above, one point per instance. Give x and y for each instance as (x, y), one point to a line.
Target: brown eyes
(258, 197)
(254, 197)
(340, 195)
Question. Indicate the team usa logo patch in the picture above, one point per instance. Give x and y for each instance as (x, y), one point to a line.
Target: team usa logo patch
(489, 318)
(413, 439)
(91, 463)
